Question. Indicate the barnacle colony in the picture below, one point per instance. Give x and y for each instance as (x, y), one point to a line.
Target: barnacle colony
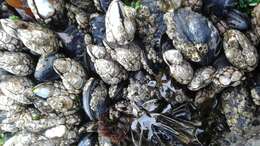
(119, 72)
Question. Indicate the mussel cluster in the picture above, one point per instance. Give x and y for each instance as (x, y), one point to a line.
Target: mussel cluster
(129, 72)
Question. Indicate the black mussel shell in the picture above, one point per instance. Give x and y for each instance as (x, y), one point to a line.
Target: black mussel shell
(73, 40)
(166, 43)
(104, 4)
(221, 62)
(237, 20)
(89, 140)
(101, 102)
(194, 28)
(46, 71)
(218, 7)
(98, 29)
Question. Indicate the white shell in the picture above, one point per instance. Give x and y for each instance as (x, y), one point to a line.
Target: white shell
(58, 131)
(120, 30)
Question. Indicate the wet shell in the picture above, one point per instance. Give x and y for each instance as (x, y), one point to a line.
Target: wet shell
(235, 106)
(180, 69)
(251, 137)
(49, 12)
(218, 7)
(102, 5)
(120, 23)
(237, 20)
(61, 103)
(34, 122)
(240, 51)
(51, 89)
(193, 35)
(207, 94)
(255, 93)
(8, 104)
(74, 45)
(228, 76)
(195, 5)
(72, 74)
(9, 43)
(202, 78)
(4, 75)
(89, 139)
(129, 56)
(44, 11)
(98, 29)
(44, 69)
(15, 88)
(17, 63)
(35, 37)
(256, 19)
(95, 99)
(109, 70)
(22, 139)
(42, 106)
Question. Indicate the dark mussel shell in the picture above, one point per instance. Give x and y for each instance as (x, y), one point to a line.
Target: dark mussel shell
(73, 40)
(158, 21)
(98, 29)
(193, 28)
(238, 20)
(104, 4)
(86, 5)
(218, 7)
(89, 140)
(221, 62)
(166, 43)
(95, 104)
(44, 69)
(75, 47)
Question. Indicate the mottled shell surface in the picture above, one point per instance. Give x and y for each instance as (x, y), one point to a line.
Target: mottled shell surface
(138, 92)
(35, 37)
(192, 34)
(255, 94)
(240, 51)
(110, 71)
(28, 121)
(251, 137)
(180, 69)
(129, 56)
(61, 103)
(95, 96)
(256, 19)
(8, 104)
(9, 43)
(51, 89)
(207, 94)
(22, 139)
(228, 76)
(72, 74)
(15, 88)
(202, 78)
(17, 63)
(120, 23)
(235, 106)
